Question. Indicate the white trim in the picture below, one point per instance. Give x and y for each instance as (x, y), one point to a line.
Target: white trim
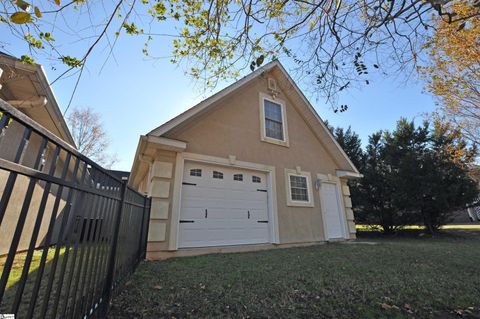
(226, 162)
(263, 132)
(167, 143)
(308, 176)
(336, 181)
(193, 157)
(348, 174)
(176, 200)
(272, 202)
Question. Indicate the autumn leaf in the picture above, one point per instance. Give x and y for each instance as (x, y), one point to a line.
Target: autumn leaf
(21, 17)
(57, 2)
(386, 306)
(38, 13)
(22, 5)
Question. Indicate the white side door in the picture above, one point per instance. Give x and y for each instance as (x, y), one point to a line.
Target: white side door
(332, 211)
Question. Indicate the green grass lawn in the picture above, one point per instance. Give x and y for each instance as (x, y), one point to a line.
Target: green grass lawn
(15, 276)
(394, 278)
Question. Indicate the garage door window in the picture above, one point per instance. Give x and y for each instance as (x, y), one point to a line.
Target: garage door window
(218, 175)
(196, 172)
(256, 179)
(238, 177)
(299, 188)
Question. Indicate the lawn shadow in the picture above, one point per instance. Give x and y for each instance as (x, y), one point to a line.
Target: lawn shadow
(59, 282)
(460, 234)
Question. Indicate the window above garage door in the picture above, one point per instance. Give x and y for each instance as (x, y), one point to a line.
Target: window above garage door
(273, 120)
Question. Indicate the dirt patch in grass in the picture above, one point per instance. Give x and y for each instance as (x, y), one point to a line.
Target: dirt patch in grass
(399, 277)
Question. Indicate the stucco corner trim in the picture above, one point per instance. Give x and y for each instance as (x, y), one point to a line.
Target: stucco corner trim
(176, 199)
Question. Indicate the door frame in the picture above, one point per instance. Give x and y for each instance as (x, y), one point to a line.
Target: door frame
(227, 162)
(330, 179)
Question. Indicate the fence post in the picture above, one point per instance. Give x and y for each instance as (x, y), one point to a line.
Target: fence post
(148, 203)
(111, 264)
(142, 229)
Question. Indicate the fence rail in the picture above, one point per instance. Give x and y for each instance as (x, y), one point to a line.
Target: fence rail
(69, 230)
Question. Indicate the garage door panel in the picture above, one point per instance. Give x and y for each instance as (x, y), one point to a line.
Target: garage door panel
(221, 192)
(233, 207)
(217, 232)
(202, 201)
(202, 204)
(259, 214)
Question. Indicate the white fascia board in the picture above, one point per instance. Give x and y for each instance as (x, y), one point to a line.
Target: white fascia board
(167, 143)
(349, 174)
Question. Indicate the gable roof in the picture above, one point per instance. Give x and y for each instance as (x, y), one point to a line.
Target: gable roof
(315, 121)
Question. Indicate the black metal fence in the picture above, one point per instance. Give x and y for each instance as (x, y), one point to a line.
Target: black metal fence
(69, 231)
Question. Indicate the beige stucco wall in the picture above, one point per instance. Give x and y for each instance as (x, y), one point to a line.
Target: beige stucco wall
(232, 127)
(8, 146)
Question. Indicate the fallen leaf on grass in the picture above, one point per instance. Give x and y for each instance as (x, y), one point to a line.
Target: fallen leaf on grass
(458, 312)
(386, 306)
(157, 287)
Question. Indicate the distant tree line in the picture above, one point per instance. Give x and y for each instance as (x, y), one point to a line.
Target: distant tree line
(413, 175)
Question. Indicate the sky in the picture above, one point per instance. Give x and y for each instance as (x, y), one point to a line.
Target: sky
(134, 95)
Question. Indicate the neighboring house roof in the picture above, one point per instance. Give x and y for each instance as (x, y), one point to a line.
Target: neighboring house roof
(316, 123)
(122, 175)
(26, 87)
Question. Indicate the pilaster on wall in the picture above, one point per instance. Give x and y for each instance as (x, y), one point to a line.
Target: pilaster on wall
(348, 209)
(160, 190)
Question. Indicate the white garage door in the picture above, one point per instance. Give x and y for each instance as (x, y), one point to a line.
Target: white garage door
(332, 211)
(223, 206)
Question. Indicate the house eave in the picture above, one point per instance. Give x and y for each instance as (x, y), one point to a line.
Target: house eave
(143, 158)
(348, 174)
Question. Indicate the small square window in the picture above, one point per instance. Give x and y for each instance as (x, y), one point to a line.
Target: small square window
(256, 179)
(218, 175)
(299, 188)
(196, 172)
(238, 177)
